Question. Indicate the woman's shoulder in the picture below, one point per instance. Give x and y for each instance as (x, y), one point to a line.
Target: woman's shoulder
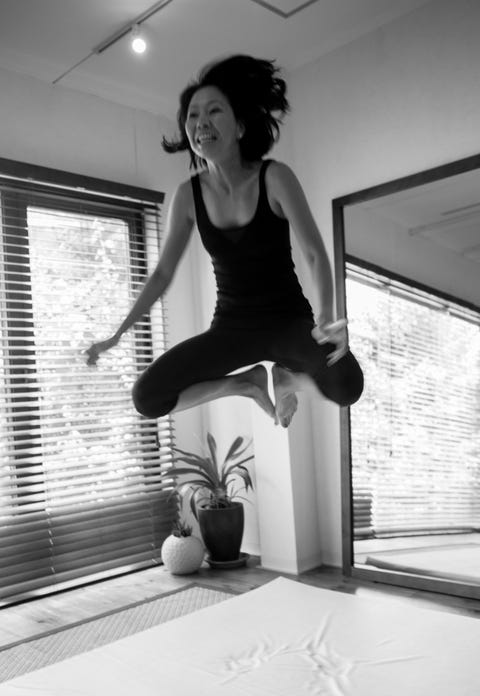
(182, 199)
(277, 169)
(279, 179)
(184, 191)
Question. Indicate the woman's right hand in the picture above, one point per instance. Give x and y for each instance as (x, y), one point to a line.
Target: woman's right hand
(332, 332)
(93, 353)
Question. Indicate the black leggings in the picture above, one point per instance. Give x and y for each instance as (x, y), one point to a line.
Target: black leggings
(221, 350)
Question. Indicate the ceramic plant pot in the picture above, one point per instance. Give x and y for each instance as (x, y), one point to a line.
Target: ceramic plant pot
(222, 531)
(182, 555)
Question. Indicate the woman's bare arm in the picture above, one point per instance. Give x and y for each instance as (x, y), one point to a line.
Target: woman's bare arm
(179, 225)
(289, 197)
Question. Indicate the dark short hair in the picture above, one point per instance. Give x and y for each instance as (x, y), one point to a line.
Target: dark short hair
(255, 93)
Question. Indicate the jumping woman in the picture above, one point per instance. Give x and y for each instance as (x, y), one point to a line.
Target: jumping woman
(243, 206)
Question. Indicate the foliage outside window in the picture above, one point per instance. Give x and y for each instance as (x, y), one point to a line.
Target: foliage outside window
(415, 434)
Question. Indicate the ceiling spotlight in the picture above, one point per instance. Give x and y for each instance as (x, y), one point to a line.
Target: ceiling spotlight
(138, 43)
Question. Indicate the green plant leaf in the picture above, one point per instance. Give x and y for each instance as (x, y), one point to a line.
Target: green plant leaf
(191, 461)
(194, 503)
(190, 493)
(202, 469)
(204, 472)
(243, 449)
(234, 452)
(177, 470)
(235, 494)
(193, 507)
(227, 471)
(191, 486)
(186, 471)
(204, 463)
(212, 445)
(212, 468)
(245, 475)
(233, 447)
(188, 455)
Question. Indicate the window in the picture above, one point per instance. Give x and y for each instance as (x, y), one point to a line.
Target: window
(415, 434)
(82, 490)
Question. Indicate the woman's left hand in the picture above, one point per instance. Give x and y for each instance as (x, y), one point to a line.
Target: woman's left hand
(332, 332)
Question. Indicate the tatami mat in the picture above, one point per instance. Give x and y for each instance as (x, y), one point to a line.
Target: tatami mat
(54, 646)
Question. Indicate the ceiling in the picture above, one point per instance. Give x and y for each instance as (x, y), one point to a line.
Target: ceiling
(46, 39)
(445, 212)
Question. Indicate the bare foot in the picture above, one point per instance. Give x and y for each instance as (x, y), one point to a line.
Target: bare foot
(257, 388)
(285, 399)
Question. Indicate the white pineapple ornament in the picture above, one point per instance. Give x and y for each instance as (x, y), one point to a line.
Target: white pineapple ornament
(182, 553)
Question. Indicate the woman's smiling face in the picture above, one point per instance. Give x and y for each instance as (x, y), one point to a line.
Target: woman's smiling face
(211, 126)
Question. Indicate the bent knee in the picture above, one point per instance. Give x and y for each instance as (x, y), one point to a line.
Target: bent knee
(149, 404)
(348, 391)
(343, 383)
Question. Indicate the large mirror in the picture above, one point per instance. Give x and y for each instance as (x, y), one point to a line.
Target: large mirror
(407, 256)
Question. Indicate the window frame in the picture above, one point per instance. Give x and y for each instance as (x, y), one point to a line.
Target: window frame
(33, 186)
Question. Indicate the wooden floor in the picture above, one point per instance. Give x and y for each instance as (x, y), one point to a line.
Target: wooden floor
(22, 621)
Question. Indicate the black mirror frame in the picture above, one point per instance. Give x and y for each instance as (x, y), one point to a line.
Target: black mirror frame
(417, 582)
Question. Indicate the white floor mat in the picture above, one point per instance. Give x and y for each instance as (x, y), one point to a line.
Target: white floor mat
(460, 563)
(283, 639)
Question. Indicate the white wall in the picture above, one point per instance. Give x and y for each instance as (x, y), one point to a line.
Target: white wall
(402, 99)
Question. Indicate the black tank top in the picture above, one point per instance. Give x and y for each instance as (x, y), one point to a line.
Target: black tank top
(253, 266)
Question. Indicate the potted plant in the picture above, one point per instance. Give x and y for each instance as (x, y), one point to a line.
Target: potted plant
(213, 492)
(182, 553)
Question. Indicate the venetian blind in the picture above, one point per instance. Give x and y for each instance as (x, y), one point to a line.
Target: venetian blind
(415, 434)
(81, 488)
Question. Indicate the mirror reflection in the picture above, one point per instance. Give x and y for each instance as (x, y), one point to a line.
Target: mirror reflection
(413, 303)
